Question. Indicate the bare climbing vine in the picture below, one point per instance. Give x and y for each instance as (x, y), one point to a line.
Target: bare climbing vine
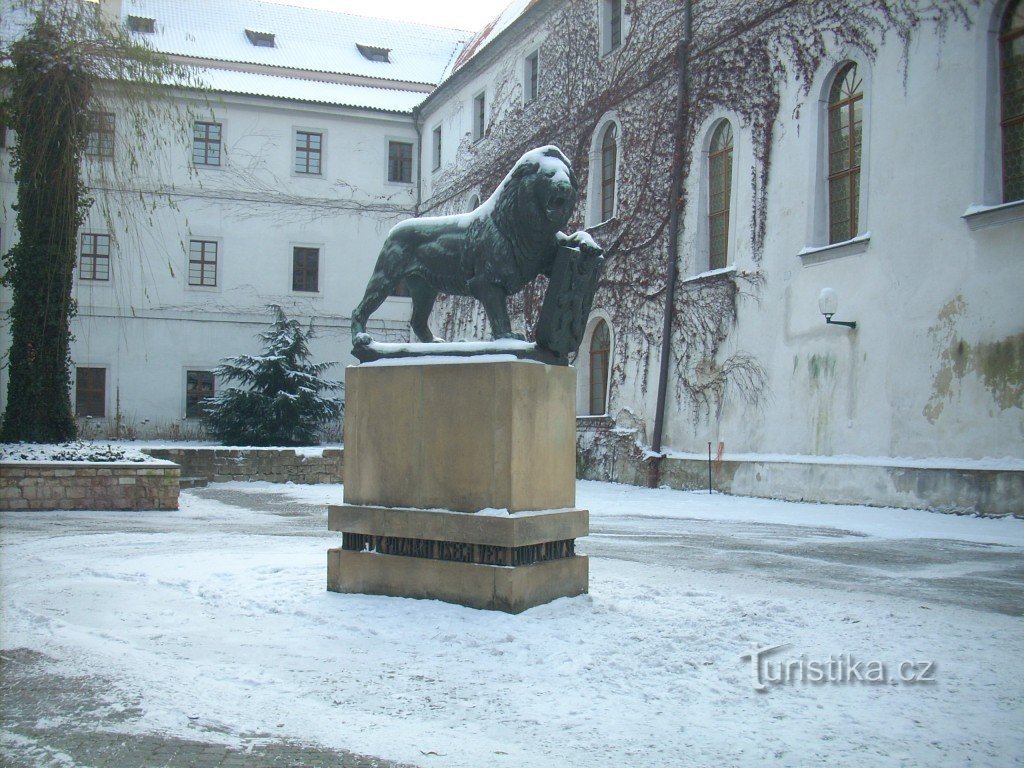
(741, 57)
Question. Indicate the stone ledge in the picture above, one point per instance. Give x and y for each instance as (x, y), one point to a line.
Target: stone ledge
(488, 587)
(275, 465)
(88, 485)
(516, 530)
(965, 490)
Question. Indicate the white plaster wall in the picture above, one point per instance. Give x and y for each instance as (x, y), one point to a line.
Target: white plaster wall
(147, 325)
(901, 384)
(502, 82)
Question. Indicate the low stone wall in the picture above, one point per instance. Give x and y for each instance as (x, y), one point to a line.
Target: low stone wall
(275, 465)
(960, 491)
(608, 454)
(88, 485)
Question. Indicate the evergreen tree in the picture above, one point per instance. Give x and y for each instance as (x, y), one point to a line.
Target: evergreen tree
(283, 402)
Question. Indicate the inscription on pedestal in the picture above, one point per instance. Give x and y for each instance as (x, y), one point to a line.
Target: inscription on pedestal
(459, 552)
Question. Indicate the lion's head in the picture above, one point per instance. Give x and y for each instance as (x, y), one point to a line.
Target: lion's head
(539, 191)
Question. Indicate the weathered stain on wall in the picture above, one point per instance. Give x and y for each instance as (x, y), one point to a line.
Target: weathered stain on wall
(999, 365)
(821, 375)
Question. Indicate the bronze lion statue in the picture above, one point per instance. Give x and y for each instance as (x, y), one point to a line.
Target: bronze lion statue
(489, 253)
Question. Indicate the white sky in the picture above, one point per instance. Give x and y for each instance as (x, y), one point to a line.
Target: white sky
(460, 14)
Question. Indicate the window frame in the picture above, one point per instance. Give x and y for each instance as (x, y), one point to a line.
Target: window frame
(1006, 193)
(599, 370)
(846, 107)
(412, 156)
(479, 116)
(817, 246)
(141, 25)
(192, 407)
(436, 147)
(102, 400)
(101, 126)
(217, 262)
(220, 143)
(374, 53)
(320, 151)
(583, 363)
(260, 39)
(95, 255)
(612, 20)
(609, 166)
(318, 290)
(531, 77)
(593, 208)
(712, 214)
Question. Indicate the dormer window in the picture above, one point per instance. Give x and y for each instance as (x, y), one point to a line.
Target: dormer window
(260, 39)
(373, 53)
(142, 24)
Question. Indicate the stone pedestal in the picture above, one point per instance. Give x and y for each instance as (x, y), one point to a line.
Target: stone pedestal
(460, 484)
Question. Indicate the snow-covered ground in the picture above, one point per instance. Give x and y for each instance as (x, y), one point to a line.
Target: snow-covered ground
(216, 618)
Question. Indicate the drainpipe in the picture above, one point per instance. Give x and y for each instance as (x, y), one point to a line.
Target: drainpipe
(419, 158)
(676, 186)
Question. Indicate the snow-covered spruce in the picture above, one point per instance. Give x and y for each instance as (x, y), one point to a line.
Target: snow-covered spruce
(282, 402)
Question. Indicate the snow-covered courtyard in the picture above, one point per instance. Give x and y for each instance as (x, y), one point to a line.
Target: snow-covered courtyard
(213, 623)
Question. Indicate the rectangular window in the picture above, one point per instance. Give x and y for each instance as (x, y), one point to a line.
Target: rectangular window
(308, 148)
(305, 269)
(202, 263)
(261, 39)
(400, 162)
(373, 53)
(615, 24)
(198, 386)
(479, 117)
(437, 147)
(206, 140)
(531, 77)
(91, 392)
(100, 142)
(94, 257)
(142, 24)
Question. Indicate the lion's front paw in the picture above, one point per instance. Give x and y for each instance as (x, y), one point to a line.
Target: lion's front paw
(362, 340)
(513, 335)
(437, 340)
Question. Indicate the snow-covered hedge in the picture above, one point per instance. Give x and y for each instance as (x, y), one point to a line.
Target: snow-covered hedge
(76, 451)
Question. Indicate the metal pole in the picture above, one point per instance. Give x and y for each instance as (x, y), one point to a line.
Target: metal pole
(676, 187)
(709, 468)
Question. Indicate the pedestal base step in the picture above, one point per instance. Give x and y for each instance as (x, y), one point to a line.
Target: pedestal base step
(491, 587)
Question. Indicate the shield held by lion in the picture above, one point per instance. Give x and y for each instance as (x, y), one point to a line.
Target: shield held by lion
(490, 253)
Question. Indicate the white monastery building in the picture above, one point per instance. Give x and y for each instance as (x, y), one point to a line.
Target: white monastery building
(847, 322)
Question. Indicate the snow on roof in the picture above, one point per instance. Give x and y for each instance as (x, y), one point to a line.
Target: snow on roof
(304, 38)
(484, 37)
(302, 89)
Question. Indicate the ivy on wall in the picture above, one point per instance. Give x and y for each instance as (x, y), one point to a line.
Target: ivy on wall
(67, 63)
(741, 58)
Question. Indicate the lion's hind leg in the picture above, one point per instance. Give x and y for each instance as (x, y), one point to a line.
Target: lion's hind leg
(378, 289)
(423, 298)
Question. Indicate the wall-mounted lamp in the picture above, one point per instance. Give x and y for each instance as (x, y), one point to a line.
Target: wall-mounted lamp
(828, 303)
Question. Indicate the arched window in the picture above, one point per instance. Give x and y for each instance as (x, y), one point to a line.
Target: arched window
(845, 133)
(474, 203)
(719, 194)
(1011, 70)
(600, 354)
(609, 158)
